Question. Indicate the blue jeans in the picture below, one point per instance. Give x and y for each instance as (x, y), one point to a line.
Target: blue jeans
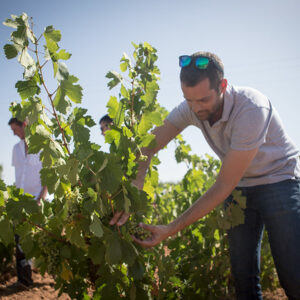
(277, 208)
(24, 272)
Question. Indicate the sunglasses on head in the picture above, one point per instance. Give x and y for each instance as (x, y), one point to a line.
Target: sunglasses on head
(200, 62)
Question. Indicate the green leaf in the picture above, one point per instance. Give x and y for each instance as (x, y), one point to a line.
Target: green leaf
(75, 236)
(116, 79)
(62, 54)
(60, 102)
(112, 136)
(2, 185)
(151, 92)
(27, 244)
(238, 216)
(112, 175)
(62, 71)
(127, 203)
(112, 106)
(72, 166)
(51, 34)
(96, 252)
(145, 123)
(73, 91)
(30, 205)
(96, 227)
(26, 60)
(148, 141)
(42, 131)
(113, 252)
(136, 270)
(11, 22)
(119, 118)
(79, 125)
(129, 252)
(123, 66)
(124, 92)
(239, 198)
(10, 51)
(27, 88)
(20, 35)
(6, 231)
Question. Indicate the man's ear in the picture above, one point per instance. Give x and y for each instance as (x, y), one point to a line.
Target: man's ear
(25, 122)
(223, 85)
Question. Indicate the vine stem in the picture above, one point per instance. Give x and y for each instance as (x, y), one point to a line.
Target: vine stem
(50, 95)
(51, 100)
(113, 211)
(132, 102)
(48, 232)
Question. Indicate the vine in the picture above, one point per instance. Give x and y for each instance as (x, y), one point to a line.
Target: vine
(70, 237)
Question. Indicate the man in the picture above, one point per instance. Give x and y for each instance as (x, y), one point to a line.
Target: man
(104, 123)
(244, 130)
(27, 176)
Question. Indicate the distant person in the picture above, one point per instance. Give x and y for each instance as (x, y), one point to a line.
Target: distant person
(104, 123)
(243, 128)
(27, 177)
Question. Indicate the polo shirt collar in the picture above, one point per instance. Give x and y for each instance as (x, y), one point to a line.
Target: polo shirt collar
(228, 104)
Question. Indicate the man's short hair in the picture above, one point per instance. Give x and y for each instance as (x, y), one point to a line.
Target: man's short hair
(15, 121)
(106, 119)
(191, 75)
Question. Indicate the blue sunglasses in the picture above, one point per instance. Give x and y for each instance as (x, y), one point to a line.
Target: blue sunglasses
(201, 62)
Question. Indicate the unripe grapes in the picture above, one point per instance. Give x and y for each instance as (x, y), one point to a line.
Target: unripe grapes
(49, 251)
(139, 232)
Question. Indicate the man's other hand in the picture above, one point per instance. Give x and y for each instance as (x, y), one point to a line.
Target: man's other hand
(119, 218)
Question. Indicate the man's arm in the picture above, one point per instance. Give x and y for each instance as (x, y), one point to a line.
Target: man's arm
(232, 170)
(163, 135)
(42, 194)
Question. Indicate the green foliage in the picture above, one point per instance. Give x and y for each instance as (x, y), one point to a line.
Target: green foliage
(71, 237)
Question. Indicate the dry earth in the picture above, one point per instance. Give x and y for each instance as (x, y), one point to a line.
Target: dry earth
(43, 288)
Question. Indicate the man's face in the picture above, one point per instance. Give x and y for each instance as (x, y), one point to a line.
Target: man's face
(104, 126)
(205, 102)
(18, 130)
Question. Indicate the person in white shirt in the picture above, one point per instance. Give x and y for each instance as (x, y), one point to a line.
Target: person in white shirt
(27, 177)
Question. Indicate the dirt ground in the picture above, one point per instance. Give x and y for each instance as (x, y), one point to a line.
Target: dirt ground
(43, 288)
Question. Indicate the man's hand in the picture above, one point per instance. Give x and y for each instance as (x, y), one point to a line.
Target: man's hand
(159, 233)
(119, 218)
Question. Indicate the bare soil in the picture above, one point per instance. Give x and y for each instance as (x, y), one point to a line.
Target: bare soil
(43, 288)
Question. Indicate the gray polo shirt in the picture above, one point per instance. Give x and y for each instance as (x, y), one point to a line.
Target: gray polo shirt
(248, 121)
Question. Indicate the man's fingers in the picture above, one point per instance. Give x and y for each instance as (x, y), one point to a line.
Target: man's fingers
(123, 219)
(119, 218)
(144, 243)
(116, 217)
(150, 228)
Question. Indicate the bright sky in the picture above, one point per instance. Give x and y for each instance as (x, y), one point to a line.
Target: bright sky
(257, 40)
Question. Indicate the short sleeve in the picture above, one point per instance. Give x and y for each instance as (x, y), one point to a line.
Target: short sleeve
(250, 128)
(14, 159)
(180, 116)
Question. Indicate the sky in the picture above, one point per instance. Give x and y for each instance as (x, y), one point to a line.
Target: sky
(258, 42)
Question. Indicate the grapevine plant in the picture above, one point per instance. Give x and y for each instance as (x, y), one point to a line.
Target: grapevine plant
(70, 237)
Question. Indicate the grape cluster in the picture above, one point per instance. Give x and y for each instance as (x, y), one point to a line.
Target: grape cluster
(49, 252)
(73, 211)
(139, 232)
(131, 226)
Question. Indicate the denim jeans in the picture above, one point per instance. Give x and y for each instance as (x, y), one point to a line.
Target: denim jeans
(24, 272)
(275, 207)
